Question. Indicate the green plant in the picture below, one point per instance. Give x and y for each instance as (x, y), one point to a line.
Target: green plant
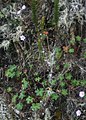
(66, 65)
(22, 94)
(84, 55)
(64, 92)
(19, 106)
(58, 52)
(53, 82)
(56, 11)
(12, 71)
(29, 99)
(75, 82)
(61, 77)
(83, 82)
(68, 76)
(42, 23)
(36, 106)
(14, 98)
(62, 84)
(24, 84)
(78, 38)
(54, 96)
(37, 79)
(71, 50)
(40, 92)
(9, 89)
(84, 40)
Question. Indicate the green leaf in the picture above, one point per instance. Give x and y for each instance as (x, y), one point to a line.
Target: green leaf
(66, 65)
(72, 42)
(37, 79)
(64, 92)
(54, 96)
(58, 52)
(24, 83)
(84, 54)
(22, 95)
(36, 106)
(14, 98)
(83, 82)
(78, 38)
(62, 84)
(75, 83)
(71, 50)
(19, 106)
(29, 99)
(9, 89)
(39, 92)
(61, 77)
(18, 73)
(53, 82)
(84, 40)
(68, 76)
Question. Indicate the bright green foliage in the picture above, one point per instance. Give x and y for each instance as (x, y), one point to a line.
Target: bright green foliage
(61, 77)
(58, 53)
(14, 98)
(66, 65)
(53, 82)
(9, 89)
(62, 84)
(22, 95)
(75, 83)
(19, 106)
(72, 42)
(42, 23)
(54, 96)
(71, 50)
(64, 92)
(68, 76)
(78, 38)
(44, 83)
(12, 71)
(37, 79)
(39, 92)
(29, 99)
(36, 106)
(56, 11)
(24, 83)
(57, 67)
(84, 40)
(83, 82)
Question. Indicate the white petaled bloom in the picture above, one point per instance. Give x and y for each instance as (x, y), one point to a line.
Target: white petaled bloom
(23, 7)
(22, 37)
(78, 113)
(81, 94)
(19, 12)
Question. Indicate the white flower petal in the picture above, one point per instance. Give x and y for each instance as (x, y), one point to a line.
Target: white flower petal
(81, 94)
(78, 112)
(22, 37)
(23, 7)
(18, 12)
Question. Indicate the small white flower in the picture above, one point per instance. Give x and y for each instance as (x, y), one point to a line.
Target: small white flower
(81, 94)
(78, 112)
(23, 7)
(19, 12)
(22, 37)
